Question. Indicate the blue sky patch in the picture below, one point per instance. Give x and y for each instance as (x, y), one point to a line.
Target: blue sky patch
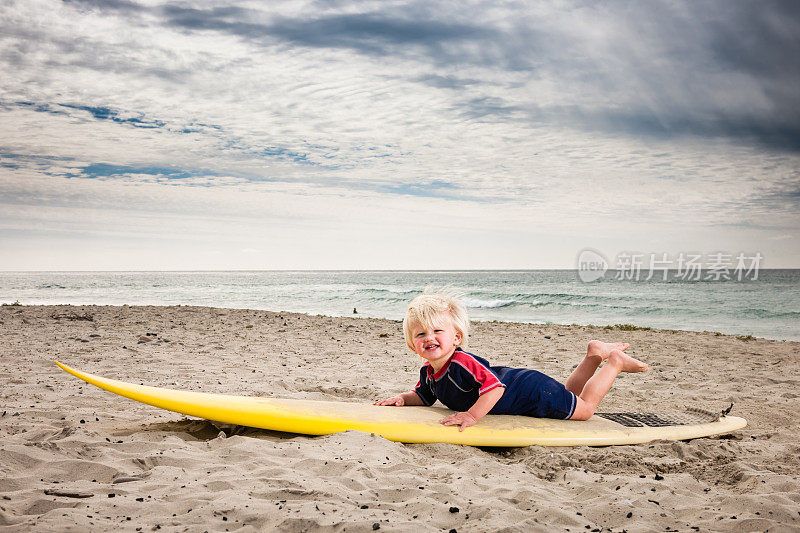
(105, 113)
(103, 170)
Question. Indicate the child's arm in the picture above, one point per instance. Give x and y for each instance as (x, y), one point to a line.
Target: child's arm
(407, 398)
(469, 418)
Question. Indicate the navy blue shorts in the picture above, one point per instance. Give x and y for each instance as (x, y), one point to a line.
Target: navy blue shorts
(532, 393)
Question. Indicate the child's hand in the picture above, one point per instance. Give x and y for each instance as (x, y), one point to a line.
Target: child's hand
(464, 420)
(397, 401)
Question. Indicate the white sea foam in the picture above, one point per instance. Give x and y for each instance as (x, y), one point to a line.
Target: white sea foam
(477, 303)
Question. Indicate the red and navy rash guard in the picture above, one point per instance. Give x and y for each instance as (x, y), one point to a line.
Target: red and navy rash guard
(459, 383)
(465, 377)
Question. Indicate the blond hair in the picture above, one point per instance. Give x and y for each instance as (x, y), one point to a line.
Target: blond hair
(431, 307)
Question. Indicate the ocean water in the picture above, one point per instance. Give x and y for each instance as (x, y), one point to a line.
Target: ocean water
(768, 306)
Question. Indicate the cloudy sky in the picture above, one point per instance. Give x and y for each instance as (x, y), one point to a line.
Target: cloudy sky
(140, 134)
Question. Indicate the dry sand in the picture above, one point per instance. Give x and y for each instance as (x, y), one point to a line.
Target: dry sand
(76, 457)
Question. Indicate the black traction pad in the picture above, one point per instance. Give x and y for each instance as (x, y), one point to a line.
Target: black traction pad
(692, 416)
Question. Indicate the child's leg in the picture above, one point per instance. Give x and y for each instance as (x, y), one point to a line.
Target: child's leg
(599, 384)
(596, 353)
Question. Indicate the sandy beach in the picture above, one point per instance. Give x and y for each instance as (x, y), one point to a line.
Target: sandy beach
(74, 457)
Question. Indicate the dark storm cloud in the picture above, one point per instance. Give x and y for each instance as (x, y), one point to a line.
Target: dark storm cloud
(109, 5)
(369, 33)
(759, 38)
(754, 43)
(710, 70)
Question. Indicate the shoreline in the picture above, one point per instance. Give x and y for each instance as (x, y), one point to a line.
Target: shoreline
(61, 436)
(622, 327)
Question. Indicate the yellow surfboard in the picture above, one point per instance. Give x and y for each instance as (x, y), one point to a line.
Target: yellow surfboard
(420, 424)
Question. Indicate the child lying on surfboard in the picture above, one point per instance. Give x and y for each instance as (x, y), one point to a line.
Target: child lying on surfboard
(436, 327)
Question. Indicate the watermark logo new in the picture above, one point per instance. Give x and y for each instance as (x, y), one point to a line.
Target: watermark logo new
(592, 265)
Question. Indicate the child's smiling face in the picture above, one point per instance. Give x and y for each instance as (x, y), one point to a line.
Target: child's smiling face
(436, 342)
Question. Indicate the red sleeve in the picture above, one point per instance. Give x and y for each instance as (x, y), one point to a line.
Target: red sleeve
(486, 379)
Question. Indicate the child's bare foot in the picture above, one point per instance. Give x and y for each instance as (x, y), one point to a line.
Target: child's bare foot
(603, 349)
(625, 362)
